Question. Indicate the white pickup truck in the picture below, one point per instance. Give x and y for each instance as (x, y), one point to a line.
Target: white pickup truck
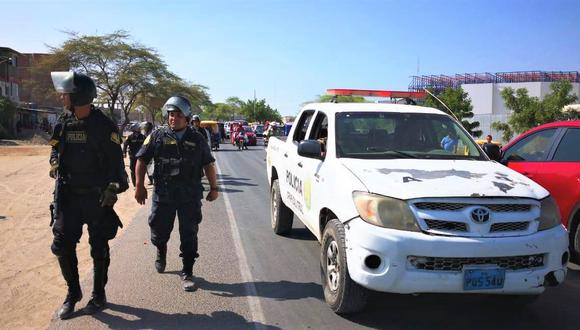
(403, 200)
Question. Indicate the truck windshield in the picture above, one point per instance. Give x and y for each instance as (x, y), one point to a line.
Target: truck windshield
(387, 135)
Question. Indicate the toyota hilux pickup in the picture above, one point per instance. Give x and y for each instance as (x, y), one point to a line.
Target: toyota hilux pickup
(403, 200)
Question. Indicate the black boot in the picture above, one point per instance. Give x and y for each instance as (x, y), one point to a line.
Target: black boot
(161, 259)
(68, 267)
(186, 276)
(98, 299)
(187, 282)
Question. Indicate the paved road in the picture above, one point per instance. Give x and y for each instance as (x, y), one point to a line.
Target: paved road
(250, 278)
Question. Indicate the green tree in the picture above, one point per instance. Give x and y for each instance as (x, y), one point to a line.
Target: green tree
(530, 111)
(460, 104)
(152, 100)
(7, 112)
(259, 110)
(122, 69)
(341, 98)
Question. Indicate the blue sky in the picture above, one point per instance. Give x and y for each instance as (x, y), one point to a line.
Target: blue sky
(292, 51)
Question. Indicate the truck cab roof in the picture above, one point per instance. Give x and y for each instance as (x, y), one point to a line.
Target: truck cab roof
(370, 107)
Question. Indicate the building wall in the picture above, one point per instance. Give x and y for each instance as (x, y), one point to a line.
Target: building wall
(41, 92)
(488, 104)
(486, 98)
(8, 82)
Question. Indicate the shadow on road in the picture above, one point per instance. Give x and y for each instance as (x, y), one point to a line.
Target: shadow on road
(302, 234)
(127, 317)
(250, 149)
(555, 309)
(227, 181)
(281, 290)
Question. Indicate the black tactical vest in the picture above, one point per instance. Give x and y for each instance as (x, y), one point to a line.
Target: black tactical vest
(82, 158)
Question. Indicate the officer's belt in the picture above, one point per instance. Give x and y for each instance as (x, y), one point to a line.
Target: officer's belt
(82, 190)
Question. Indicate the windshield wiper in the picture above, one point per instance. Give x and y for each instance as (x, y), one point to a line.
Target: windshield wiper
(400, 153)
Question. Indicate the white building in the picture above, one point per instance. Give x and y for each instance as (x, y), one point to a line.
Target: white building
(489, 106)
(484, 90)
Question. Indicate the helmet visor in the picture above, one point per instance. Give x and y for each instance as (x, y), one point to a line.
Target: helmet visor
(175, 103)
(63, 81)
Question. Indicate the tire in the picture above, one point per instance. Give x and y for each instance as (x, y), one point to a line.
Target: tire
(341, 293)
(575, 244)
(281, 216)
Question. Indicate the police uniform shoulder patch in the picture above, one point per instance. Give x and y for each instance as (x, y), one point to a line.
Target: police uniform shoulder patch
(115, 138)
(53, 142)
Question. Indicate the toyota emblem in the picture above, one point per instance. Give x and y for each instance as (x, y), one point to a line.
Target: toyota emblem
(480, 215)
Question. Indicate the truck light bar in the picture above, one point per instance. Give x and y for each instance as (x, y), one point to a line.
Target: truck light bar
(376, 93)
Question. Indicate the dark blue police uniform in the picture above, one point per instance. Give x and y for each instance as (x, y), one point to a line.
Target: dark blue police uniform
(133, 143)
(89, 157)
(177, 190)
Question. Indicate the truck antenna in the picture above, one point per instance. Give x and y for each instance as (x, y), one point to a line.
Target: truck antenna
(445, 105)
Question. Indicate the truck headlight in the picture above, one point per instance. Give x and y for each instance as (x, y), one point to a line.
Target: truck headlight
(384, 211)
(549, 214)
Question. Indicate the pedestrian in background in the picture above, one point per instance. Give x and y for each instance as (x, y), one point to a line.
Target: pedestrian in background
(133, 143)
(491, 149)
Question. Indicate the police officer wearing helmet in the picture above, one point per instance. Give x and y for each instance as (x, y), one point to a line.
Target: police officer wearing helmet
(147, 128)
(180, 154)
(133, 143)
(196, 122)
(87, 162)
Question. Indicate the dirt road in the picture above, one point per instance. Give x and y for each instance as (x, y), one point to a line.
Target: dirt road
(31, 286)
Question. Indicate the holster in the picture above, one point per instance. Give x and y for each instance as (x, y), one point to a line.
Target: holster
(111, 223)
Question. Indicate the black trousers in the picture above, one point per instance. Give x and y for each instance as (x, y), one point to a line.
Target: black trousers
(161, 222)
(132, 164)
(75, 211)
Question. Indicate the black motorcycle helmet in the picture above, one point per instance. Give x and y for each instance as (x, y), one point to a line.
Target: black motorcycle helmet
(82, 88)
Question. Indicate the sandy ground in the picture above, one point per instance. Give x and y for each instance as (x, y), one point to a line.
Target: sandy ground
(31, 286)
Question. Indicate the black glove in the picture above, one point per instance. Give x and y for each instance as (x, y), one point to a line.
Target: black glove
(109, 196)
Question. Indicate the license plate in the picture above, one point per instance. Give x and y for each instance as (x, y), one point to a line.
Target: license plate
(483, 279)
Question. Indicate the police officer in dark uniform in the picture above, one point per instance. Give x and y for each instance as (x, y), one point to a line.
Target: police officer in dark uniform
(147, 128)
(133, 143)
(87, 162)
(196, 122)
(180, 154)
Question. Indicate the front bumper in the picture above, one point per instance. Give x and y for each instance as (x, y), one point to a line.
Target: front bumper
(396, 274)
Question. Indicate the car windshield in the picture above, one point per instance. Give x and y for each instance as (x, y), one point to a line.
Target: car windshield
(387, 135)
(247, 128)
(259, 129)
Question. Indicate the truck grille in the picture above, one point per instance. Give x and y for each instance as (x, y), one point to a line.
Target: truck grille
(458, 206)
(446, 225)
(509, 226)
(457, 264)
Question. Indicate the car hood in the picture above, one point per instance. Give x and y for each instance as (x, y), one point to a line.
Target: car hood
(423, 178)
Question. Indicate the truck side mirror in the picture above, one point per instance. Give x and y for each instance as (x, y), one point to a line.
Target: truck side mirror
(310, 149)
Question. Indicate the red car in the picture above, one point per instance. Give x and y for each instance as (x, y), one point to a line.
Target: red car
(550, 155)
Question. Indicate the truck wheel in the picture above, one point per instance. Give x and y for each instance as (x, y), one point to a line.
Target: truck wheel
(281, 215)
(341, 293)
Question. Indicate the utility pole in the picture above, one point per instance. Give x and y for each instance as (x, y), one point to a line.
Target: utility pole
(255, 119)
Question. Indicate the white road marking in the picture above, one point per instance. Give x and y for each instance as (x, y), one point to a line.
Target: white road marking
(249, 286)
